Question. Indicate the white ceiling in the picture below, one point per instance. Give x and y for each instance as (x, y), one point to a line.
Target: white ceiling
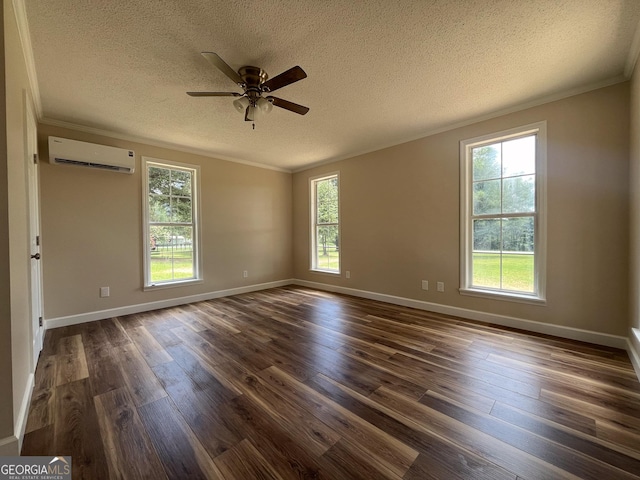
(379, 72)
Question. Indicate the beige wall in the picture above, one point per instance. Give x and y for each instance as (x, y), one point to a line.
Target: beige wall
(6, 392)
(17, 93)
(92, 228)
(634, 213)
(400, 215)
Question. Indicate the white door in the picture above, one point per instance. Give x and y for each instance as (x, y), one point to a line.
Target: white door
(37, 330)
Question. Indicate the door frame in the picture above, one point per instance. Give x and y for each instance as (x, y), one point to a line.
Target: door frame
(33, 222)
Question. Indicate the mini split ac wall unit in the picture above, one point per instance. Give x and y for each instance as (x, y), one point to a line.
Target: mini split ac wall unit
(63, 151)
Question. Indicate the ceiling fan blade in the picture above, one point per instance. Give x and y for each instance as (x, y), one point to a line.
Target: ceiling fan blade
(285, 78)
(214, 94)
(223, 67)
(287, 105)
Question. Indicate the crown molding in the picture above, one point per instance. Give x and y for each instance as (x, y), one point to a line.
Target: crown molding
(205, 153)
(156, 143)
(20, 13)
(25, 39)
(634, 52)
(470, 121)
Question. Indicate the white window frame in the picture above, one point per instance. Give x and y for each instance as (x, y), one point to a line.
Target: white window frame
(195, 205)
(313, 181)
(540, 225)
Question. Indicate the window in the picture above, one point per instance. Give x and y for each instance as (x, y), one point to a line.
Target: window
(171, 223)
(502, 214)
(325, 226)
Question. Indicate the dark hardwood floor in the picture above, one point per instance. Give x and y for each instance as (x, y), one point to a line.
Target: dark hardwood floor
(295, 383)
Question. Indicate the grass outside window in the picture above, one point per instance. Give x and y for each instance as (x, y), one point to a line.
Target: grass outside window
(507, 271)
(171, 264)
(329, 260)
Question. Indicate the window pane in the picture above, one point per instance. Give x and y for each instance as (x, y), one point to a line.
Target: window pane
(486, 197)
(159, 208)
(181, 210)
(327, 254)
(517, 272)
(486, 270)
(519, 156)
(161, 254)
(486, 235)
(518, 234)
(517, 258)
(181, 183)
(171, 253)
(159, 180)
(519, 194)
(486, 162)
(327, 201)
(182, 253)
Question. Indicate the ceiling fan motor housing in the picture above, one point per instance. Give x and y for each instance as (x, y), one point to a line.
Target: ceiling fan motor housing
(253, 77)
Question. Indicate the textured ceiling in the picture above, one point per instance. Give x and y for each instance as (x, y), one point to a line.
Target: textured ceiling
(379, 72)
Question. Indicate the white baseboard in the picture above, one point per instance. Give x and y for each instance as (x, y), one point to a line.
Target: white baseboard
(634, 354)
(145, 307)
(12, 445)
(530, 325)
(21, 421)
(514, 322)
(9, 446)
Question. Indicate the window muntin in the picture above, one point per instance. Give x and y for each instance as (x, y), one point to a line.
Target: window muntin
(171, 223)
(503, 213)
(325, 214)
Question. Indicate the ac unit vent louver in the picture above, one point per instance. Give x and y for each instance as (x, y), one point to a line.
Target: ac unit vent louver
(63, 151)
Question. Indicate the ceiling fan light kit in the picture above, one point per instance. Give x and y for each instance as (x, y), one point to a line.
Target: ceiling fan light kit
(241, 104)
(255, 82)
(264, 105)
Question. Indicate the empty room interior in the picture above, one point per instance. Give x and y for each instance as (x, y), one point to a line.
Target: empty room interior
(278, 239)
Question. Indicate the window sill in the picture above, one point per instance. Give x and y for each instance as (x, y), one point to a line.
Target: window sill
(508, 297)
(162, 286)
(326, 272)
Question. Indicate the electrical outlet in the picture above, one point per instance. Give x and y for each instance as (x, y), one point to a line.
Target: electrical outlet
(104, 292)
(348, 274)
(425, 284)
(245, 274)
(441, 286)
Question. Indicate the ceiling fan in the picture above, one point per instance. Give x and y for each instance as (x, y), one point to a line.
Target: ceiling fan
(255, 82)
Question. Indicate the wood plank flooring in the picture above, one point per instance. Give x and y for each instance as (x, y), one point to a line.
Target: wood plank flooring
(293, 383)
